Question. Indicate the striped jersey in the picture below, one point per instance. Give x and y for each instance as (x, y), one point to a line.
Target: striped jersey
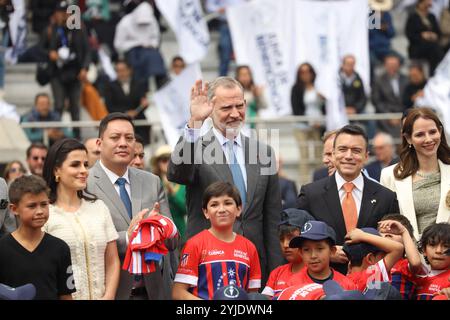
(430, 284)
(208, 264)
(403, 279)
(302, 277)
(278, 280)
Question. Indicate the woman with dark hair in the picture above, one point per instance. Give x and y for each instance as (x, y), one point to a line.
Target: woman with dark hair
(307, 101)
(421, 178)
(253, 95)
(13, 170)
(82, 221)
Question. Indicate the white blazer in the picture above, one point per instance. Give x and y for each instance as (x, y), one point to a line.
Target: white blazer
(403, 188)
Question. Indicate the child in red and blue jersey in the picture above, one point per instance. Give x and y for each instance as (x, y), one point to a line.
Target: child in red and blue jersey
(292, 221)
(371, 257)
(398, 228)
(217, 257)
(434, 244)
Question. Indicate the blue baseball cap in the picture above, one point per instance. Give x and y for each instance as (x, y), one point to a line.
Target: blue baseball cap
(357, 251)
(230, 292)
(313, 230)
(25, 292)
(295, 217)
(381, 290)
(333, 291)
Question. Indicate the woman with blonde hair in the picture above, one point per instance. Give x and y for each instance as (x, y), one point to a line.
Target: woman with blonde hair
(421, 178)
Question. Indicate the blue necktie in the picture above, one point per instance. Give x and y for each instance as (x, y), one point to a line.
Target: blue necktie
(124, 195)
(238, 178)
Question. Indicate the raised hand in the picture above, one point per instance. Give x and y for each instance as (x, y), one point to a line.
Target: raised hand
(391, 226)
(200, 107)
(135, 221)
(354, 236)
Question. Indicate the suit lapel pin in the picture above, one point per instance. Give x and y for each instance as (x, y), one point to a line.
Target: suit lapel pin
(373, 201)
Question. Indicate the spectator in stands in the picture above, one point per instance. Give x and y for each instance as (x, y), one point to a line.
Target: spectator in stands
(42, 112)
(253, 94)
(128, 94)
(138, 38)
(327, 157)
(93, 152)
(414, 88)
(139, 154)
(70, 55)
(307, 101)
(380, 38)
(13, 170)
(383, 147)
(225, 43)
(423, 32)
(176, 193)
(36, 154)
(387, 93)
(352, 86)
(177, 66)
(421, 178)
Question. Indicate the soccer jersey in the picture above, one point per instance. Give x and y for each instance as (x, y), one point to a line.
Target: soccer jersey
(207, 264)
(311, 291)
(430, 284)
(367, 278)
(302, 277)
(403, 279)
(278, 280)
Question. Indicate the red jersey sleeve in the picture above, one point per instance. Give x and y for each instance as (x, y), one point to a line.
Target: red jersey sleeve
(255, 268)
(189, 262)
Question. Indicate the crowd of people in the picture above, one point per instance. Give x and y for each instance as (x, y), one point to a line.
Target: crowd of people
(217, 210)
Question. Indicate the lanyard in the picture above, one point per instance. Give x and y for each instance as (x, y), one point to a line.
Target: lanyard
(61, 33)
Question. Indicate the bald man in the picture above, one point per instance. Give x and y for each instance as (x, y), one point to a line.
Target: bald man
(93, 151)
(383, 149)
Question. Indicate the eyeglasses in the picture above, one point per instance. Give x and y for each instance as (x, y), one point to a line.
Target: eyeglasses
(35, 158)
(14, 170)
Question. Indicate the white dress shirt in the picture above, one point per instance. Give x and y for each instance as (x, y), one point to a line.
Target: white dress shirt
(357, 191)
(113, 178)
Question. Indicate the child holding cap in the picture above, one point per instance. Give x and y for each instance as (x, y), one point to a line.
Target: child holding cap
(371, 257)
(317, 244)
(217, 257)
(398, 228)
(292, 221)
(29, 255)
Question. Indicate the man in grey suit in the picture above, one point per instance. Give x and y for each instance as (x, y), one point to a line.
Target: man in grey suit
(387, 94)
(7, 221)
(225, 154)
(110, 179)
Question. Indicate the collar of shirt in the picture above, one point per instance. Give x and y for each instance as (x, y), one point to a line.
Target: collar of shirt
(223, 140)
(358, 182)
(112, 176)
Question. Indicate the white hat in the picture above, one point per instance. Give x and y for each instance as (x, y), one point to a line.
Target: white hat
(381, 5)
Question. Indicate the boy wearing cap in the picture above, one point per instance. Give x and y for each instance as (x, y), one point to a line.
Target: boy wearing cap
(292, 221)
(29, 255)
(317, 244)
(217, 257)
(398, 228)
(371, 257)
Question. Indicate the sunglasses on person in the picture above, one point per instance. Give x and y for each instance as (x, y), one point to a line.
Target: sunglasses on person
(36, 158)
(14, 170)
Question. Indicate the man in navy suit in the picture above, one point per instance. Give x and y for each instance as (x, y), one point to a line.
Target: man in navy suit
(327, 198)
(328, 139)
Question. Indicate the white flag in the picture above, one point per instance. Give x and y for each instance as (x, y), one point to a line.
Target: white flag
(185, 17)
(173, 102)
(18, 28)
(437, 92)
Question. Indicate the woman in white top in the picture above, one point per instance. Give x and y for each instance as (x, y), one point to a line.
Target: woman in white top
(82, 221)
(421, 179)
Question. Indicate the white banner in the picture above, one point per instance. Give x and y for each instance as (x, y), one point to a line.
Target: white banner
(275, 37)
(185, 17)
(437, 93)
(173, 102)
(261, 39)
(18, 28)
